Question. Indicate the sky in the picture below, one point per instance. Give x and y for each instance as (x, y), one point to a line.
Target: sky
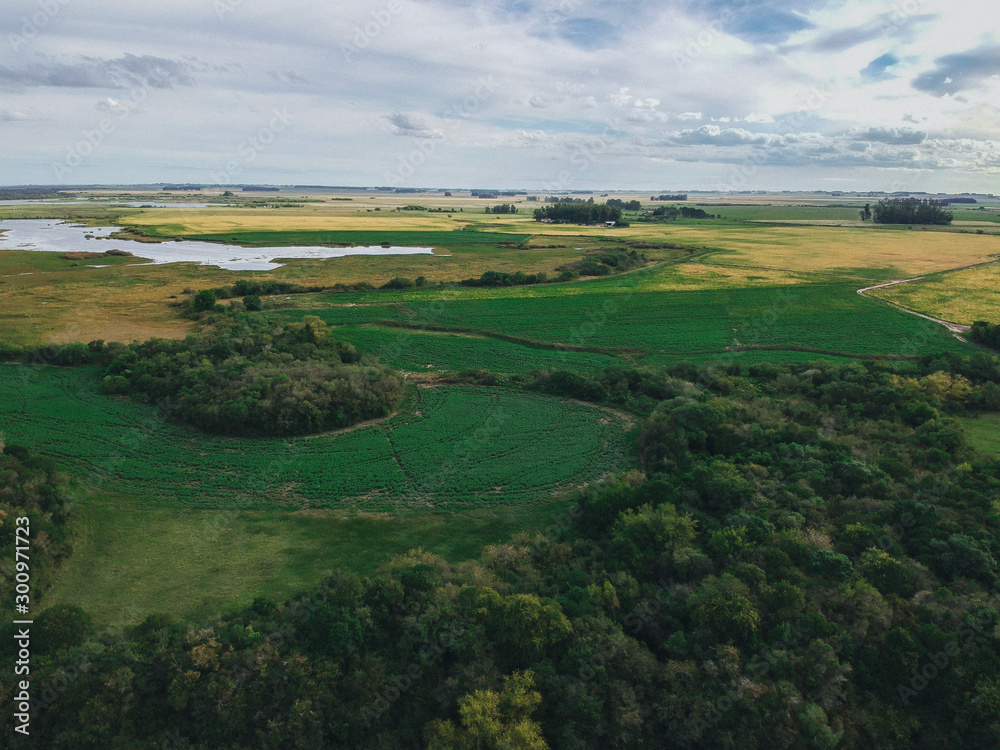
(522, 94)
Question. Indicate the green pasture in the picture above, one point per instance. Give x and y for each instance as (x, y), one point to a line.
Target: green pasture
(458, 447)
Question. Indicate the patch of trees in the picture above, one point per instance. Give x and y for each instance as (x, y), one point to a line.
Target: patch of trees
(401, 282)
(599, 263)
(986, 334)
(250, 377)
(670, 213)
(625, 205)
(670, 197)
(503, 208)
(807, 558)
(566, 199)
(263, 288)
(576, 213)
(32, 488)
(502, 278)
(909, 211)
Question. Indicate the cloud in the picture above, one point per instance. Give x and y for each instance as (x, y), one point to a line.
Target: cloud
(895, 136)
(716, 136)
(125, 72)
(12, 115)
(960, 72)
(876, 69)
(414, 127)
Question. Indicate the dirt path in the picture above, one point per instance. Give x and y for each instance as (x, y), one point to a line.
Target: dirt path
(956, 328)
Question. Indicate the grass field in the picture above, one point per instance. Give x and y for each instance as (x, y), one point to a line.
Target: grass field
(459, 447)
(130, 560)
(983, 433)
(608, 314)
(962, 297)
(432, 351)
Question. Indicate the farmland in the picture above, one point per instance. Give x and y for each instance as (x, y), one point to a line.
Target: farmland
(168, 510)
(430, 351)
(465, 447)
(962, 296)
(612, 316)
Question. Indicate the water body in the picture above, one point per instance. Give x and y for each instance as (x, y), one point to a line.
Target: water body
(50, 235)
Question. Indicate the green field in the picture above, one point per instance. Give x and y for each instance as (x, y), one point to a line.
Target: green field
(983, 433)
(607, 314)
(131, 559)
(460, 447)
(431, 351)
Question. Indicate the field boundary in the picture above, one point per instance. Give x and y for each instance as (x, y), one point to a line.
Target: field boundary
(482, 333)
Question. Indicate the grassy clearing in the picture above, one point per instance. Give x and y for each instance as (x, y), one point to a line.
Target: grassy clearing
(452, 447)
(45, 298)
(962, 297)
(983, 433)
(131, 560)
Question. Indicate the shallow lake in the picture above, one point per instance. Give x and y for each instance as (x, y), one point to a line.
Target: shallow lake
(50, 235)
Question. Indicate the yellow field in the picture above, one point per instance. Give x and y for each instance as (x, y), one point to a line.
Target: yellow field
(832, 249)
(825, 249)
(322, 219)
(961, 297)
(703, 276)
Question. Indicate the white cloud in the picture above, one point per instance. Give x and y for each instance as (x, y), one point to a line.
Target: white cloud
(790, 91)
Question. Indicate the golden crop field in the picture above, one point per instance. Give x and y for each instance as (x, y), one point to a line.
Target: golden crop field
(705, 276)
(309, 218)
(837, 249)
(961, 297)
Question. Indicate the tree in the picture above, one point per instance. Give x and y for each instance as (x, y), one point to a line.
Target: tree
(493, 720)
(253, 303)
(723, 606)
(866, 212)
(204, 300)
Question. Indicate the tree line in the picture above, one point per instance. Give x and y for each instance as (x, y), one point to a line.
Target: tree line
(576, 213)
(907, 211)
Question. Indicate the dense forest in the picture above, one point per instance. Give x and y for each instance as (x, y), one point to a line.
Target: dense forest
(807, 559)
(248, 377)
